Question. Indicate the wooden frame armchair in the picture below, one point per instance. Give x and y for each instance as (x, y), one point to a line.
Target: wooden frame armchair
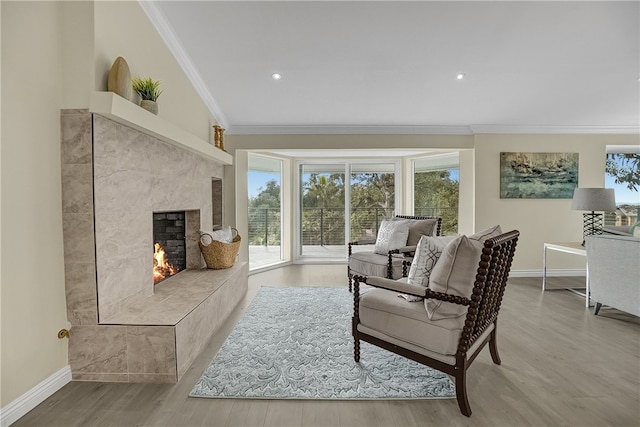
(449, 345)
(389, 266)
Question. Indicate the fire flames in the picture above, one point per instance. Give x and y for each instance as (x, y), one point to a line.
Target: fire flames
(162, 268)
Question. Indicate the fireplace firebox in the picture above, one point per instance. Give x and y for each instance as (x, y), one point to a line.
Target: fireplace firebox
(169, 251)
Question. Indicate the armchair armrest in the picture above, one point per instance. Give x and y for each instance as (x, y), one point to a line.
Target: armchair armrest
(393, 285)
(406, 288)
(358, 242)
(363, 242)
(407, 249)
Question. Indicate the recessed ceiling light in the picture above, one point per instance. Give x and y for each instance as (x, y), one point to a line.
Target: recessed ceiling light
(460, 76)
(276, 76)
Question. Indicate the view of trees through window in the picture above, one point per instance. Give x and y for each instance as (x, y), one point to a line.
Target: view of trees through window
(325, 208)
(372, 198)
(363, 193)
(264, 210)
(436, 187)
(322, 216)
(622, 173)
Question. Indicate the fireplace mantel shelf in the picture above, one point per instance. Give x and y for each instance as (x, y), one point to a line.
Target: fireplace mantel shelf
(120, 110)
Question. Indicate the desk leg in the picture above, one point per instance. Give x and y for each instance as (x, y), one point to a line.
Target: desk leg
(587, 296)
(544, 268)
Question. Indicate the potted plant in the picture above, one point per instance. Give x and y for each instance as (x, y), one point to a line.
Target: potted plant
(149, 91)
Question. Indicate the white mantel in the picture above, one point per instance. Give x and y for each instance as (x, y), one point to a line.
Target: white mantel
(118, 109)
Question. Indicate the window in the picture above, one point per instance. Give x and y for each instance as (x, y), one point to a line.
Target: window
(334, 211)
(622, 173)
(436, 185)
(265, 211)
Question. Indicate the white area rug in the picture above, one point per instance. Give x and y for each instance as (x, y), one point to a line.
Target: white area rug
(296, 343)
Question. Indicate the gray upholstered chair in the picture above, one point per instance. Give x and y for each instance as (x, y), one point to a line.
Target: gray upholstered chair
(390, 264)
(457, 318)
(614, 272)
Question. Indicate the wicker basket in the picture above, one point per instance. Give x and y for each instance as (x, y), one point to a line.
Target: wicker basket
(219, 255)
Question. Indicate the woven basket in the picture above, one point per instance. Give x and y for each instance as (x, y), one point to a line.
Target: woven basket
(219, 255)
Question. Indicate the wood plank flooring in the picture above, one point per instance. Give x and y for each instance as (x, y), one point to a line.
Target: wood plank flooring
(561, 366)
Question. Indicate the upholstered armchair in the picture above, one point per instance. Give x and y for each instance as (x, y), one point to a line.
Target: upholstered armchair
(456, 312)
(396, 241)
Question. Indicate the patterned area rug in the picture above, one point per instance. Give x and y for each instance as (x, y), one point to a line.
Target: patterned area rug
(295, 343)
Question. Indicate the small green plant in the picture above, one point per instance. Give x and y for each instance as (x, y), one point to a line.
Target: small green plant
(147, 88)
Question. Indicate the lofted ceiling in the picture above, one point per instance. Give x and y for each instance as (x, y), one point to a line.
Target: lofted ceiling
(391, 67)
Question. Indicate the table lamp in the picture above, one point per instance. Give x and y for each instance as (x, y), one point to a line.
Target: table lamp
(593, 199)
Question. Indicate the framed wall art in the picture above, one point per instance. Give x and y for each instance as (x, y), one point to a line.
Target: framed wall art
(538, 175)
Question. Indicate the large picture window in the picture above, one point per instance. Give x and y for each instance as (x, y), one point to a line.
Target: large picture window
(436, 186)
(341, 202)
(265, 211)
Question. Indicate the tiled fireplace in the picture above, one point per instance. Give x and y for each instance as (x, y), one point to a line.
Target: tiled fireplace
(123, 327)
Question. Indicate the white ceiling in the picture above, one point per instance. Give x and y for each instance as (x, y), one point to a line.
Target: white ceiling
(390, 67)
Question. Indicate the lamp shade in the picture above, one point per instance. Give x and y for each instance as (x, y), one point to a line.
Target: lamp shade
(594, 199)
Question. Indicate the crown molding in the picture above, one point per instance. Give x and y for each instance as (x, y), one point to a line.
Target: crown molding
(167, 34)
(555, 129)
(348, 130)
(429, 130)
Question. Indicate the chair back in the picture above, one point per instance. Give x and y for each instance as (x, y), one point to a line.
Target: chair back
(488, 289)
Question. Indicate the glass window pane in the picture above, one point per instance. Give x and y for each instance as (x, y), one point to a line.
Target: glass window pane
(265, 211)
(436, 184)
(372, 198)
(322, 210)
(623, 175)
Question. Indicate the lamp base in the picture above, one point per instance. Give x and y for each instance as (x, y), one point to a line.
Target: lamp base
(592, 224)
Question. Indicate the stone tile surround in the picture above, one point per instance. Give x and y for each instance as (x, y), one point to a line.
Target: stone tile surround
(123, 330)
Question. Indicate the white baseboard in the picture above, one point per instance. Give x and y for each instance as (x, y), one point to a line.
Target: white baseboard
(32, 398)
(550, 273)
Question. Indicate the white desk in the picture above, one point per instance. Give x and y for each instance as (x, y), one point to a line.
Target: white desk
(571, 248)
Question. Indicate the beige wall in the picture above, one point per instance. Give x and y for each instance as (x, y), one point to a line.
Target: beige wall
(54, 54)
(33, 298)
(123, 29)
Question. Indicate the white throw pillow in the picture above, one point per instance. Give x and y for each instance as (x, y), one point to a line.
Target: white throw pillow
(392, 235)
(428, 252)
(224, 235)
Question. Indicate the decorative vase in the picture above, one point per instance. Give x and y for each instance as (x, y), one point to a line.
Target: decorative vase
(119, 80)
(151, 106)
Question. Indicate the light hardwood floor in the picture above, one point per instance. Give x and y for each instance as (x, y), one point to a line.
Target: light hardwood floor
(561, 366)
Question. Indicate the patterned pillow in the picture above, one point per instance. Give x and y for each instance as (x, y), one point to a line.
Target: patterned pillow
(392, 235)
(427, 254)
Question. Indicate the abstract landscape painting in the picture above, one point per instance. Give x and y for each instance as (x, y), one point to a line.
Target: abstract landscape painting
(538, 175)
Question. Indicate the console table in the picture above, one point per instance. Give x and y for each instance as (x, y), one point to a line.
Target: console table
(571, 248)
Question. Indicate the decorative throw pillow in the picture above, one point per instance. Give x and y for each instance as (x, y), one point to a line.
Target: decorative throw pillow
(224, 235)
(455, 272)
(490, 232)
(392, 235)
(428, 252)
(418, 228)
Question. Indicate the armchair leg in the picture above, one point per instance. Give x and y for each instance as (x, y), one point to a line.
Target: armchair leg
(597, 308)
(461, 393)
(493, 347)
(350, 280)
(356, 350)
